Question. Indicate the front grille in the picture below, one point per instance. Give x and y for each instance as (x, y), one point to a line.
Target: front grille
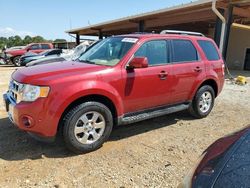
(14, 90)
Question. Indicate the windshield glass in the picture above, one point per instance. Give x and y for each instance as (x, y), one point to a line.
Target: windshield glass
(44, 52)
(109, 51)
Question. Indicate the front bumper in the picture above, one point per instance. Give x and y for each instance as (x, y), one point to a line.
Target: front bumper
(39, 122)
(9, 104)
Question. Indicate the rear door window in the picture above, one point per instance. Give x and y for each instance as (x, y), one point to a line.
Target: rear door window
(45, 46)
(156, 52)
(209, 50)
(183, 51)
(35, 47)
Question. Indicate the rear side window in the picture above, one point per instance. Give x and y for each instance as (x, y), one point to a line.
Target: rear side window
(184, 51)
(156, 52)
(34, 47)
(209, 50)
(45, 46)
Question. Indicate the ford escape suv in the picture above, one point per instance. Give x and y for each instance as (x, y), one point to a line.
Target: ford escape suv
(121, 80)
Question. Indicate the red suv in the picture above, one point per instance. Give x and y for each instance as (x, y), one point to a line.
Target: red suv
(14, 55)
(120, 80)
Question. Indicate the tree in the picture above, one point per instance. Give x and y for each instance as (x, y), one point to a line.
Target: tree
(3, 42)
(18, 41)
(27, 39)
(60, 40)
(38, 39)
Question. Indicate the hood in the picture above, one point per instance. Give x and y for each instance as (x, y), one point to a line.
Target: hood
(51, 72)
(34, 57)
(15, 51)
(46, 60)
(29, 54)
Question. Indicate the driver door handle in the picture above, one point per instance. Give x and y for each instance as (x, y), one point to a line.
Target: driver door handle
(163, 75)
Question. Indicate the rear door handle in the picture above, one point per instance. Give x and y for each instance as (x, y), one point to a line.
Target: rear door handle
(163, 75)
(197, 69)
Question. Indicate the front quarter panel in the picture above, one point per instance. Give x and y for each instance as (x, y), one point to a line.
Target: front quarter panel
(59, 101)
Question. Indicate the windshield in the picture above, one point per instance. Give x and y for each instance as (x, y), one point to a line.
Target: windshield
(108, 52)
(44, 52)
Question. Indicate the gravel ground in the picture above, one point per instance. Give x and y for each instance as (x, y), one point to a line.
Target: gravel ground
(152, 153)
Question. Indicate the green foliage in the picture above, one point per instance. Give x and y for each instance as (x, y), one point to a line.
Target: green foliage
(18, 41)
(60, 40)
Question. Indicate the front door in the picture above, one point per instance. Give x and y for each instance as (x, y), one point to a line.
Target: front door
(149, 87)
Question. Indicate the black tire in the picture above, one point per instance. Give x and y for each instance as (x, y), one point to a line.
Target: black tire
(16, 62)
(194, 108)
(70, 120)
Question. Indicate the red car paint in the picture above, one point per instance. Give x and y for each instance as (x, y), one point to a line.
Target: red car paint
(28, 48)
(129, 91)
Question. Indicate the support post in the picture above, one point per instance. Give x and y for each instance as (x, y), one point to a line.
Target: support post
(217, 31)
(141, 26)
(228, 29)
(100, 34)
(77, 39)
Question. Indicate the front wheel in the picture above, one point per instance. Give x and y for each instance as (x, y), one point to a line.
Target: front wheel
(16, 61)
(87, 127)
(203, 102)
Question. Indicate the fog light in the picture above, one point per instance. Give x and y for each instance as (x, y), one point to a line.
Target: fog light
(27, 122)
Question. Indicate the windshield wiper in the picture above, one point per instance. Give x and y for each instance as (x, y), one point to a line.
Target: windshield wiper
(86, 61)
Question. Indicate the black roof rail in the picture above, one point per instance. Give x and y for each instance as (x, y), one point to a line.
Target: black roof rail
(181, 32)
(142, 33)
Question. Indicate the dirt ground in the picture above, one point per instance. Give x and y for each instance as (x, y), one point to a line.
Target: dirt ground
(152, 153)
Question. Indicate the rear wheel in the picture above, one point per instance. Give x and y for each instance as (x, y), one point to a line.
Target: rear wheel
(87, 127)
(16, 61)
(203, 102)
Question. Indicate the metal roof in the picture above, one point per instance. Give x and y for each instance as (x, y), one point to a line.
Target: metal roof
(190, 13)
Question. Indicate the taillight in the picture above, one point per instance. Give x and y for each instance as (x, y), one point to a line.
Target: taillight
(223, 68)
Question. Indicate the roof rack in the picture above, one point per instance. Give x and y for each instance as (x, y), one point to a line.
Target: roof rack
(181, 32)
(142, 33)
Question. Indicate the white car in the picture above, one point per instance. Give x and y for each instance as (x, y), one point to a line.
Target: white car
(65, 56)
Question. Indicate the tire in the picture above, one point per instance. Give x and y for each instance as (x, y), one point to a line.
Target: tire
(201, 106)
(80, 127)
(16, 62)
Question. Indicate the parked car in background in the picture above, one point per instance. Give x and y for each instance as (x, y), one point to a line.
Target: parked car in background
(15, 54)
(112, 84)
(71, 55)
(30, 56)
(16, 47)
(225, 163)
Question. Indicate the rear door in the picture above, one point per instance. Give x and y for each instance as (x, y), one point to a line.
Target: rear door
(149, 87)
(188, 69)
(35, 48)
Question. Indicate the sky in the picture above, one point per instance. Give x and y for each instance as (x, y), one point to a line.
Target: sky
(51, 18)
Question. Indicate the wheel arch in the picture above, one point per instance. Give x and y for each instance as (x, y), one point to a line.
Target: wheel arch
(92, 97)
(212, 83)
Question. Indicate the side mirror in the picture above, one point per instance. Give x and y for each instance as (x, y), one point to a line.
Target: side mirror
(28, 49)
(138, 62)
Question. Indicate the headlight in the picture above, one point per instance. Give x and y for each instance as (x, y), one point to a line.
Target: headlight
(30, 93)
